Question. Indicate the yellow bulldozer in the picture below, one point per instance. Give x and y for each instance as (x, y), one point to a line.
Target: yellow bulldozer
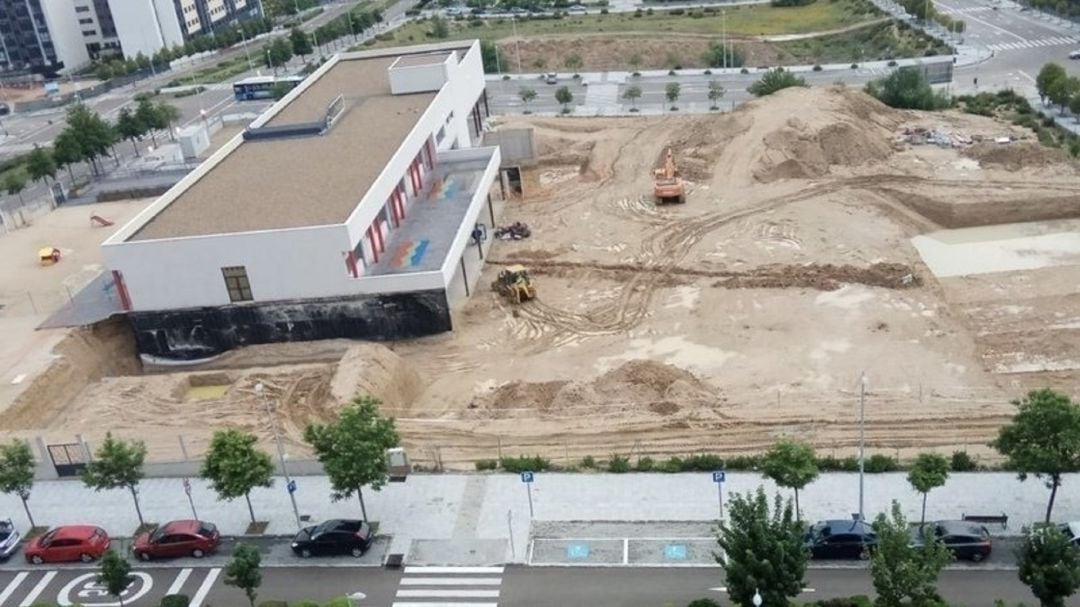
(514, 284)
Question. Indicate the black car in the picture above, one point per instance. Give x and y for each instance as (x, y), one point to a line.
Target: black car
(336, 536)
(840, 539)
(963, 539)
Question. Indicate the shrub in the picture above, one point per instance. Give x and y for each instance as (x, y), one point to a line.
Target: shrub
(833, 464)
(506, 76)
(618, 464)
(854, 66)
(891, 63)
(708, 72)
(676, 11)
(603, 11)
(486, 464)
(636, 74)
(671, 72)
(673, 464)
(175, 600)
(743, 462)
(744, 71)
(588, 462)
(524, 463)
(961, 462)
(907, 89)
(817, 67)
(878, 462)
(775, 80)
(339, 602)
(273, 604)
(703, 603)
(649, 11)
(645, 464)
(702, 463)
(305, 604)
(847, 601)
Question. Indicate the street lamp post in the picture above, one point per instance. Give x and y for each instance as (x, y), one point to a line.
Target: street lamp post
(723, 34)
(259, 388)
(862, 438)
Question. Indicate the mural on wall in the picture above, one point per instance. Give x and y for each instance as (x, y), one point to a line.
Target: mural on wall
(409, 254)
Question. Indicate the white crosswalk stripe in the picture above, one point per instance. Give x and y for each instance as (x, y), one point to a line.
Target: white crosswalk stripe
(12, 586)
(1039, 43)
(449, 587)
(36, 592)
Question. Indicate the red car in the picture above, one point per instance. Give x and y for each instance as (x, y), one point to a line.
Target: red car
(178, 538)
(69, 543)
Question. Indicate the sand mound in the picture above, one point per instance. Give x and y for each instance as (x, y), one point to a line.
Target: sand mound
(637, 385)
(559, 151)
(1014, 156)
(369, 368)
(804, 133)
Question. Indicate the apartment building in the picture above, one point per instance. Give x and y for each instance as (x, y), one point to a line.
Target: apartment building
(40, 37)
(146, 26)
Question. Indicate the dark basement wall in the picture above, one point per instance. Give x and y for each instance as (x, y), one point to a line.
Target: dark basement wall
(195, 333)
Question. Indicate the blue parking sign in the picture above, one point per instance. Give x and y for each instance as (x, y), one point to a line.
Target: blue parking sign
(718, 476)
(291, 486)
(526, 477)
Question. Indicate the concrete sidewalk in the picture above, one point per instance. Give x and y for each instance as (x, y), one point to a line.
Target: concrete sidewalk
(472, 518)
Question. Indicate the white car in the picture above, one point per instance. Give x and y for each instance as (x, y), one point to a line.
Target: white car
(1074, 54)
(9, 539)
(1071, 531)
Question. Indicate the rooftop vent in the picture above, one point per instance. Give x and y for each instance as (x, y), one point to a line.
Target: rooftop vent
(300, 129)
(420, 73)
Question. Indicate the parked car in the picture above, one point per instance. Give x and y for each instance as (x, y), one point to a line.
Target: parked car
(9, 539)
(68, 543)
(5, 109)
(840, 539)
(1074, 54)
(964, 539)
(178, 538)
(1071, 531)
(335, 536)
(551, 78)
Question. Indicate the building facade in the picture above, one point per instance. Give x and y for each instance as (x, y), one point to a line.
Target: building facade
(357, 206)
(98, 29)
(40, 37)
(147, 26)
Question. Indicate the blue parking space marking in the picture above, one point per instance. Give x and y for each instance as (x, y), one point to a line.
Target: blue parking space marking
(675, 552)
(577, 551)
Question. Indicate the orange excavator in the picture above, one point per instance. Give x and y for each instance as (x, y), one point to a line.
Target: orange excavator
(668, 186)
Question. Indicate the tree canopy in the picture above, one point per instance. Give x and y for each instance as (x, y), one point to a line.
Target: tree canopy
(117, 464)
(17, 472)
(791, 464)
(1043, 439)
(244, 571)
(762, 551)
(115, 574)
(904, 574)
(1049, 565)
(775, 80)
(929, 471)
(234, 466)
(907, 88)
(1050, 73)
(352, 450)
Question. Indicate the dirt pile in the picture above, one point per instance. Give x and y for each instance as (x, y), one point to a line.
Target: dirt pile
(557, 151)
(824, 277)
(1015, 156)
(805, 133)
(636, 385)
(374, 369)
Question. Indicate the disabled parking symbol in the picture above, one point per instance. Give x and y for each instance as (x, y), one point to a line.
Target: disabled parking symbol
(577, 551)
(675, 552)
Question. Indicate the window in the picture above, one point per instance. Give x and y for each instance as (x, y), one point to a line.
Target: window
(86, 21)
(89, 33)
(236, 281)
(82, 9)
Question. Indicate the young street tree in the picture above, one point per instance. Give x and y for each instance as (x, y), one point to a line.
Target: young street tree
(1074, 106)
(17, 472)
(1050, 565)
(66, 152)
(1050, 73)
(716, 91)
(632, 93)
(115, 574)
(234, 466)
(1062, 90)
(930, 471)
(167, 115)
(129, 127)
(14, 184)
(243, 571)
(1043, 439)
(527, 95)
(762, 551)
(147, 117)
(672, 91)
(118, 464)
(904, 574)
(40, 164)
(301, 43)
(353, 449)
(565, 97)
(791, 464)
(90, 132)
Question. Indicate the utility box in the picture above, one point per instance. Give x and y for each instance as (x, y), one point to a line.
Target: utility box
(194, 140)
(397, 464)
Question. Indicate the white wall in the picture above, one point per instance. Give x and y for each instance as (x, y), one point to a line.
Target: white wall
(145, 26)
(66, 33)
(476, 206)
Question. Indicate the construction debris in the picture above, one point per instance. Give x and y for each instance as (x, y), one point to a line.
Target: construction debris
(918, 135)
(514, 231)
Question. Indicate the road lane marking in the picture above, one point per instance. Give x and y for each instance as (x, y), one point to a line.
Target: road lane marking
(446, 581)
(36, 592)
(179, 582)
(13, 586)
(986, 23)
(445, 570)
(204, 589)
(448, 594)
(441, 604)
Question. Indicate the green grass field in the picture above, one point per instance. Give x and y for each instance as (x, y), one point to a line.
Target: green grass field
(877, 42)
(753, 20)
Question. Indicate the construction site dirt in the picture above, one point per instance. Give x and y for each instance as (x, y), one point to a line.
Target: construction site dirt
(746, 314)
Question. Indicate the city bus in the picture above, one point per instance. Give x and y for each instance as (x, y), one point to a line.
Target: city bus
(261, 87)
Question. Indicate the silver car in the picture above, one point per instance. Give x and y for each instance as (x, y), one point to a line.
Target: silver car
(9, 539)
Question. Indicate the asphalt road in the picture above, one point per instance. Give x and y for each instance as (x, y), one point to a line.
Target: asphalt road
(468, 587)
